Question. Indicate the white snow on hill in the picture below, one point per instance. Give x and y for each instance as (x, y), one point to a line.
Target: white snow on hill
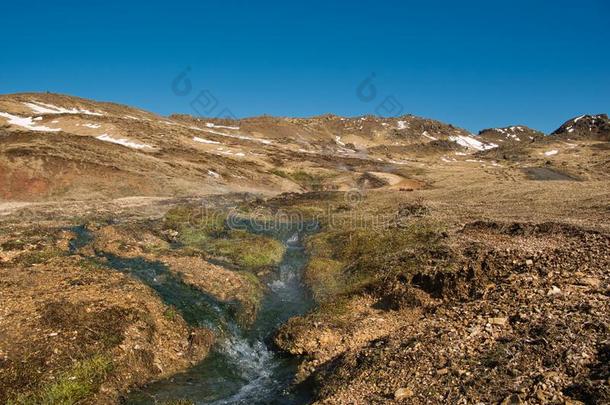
(201, 140)
(427, 135)
(26, 122)
(471, 143)
(124, 142)
(246, 138)
(42, 108)
(211, 125)
(510, 132)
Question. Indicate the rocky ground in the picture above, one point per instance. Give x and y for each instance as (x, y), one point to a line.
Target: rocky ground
(77, 327)
(447, 268)
(522, 319)
(74, 329)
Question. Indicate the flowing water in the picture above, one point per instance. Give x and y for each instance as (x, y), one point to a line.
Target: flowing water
(241, 368)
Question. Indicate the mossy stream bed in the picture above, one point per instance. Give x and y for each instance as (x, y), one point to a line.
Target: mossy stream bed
(241, 367)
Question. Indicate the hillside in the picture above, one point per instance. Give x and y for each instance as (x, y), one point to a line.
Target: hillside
(585, 127)
(333, 260)
(57, 146)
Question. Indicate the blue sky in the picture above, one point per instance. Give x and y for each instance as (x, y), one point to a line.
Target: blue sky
(475, 64)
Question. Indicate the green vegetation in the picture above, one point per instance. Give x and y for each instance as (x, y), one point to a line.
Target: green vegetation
(91, 264)
(40, 256)
(170, 313)
(323, 276)
(246, 250)
(349, 261)
(309, 181)
(207, 232)
(179, 402)
(71, 387)
(201, 221)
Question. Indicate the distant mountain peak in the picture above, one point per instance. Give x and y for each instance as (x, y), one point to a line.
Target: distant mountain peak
(596, 127)
(514, 133)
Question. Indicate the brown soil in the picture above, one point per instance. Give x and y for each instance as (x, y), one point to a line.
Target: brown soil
(60, 309)
(506, 300)
(525, 318)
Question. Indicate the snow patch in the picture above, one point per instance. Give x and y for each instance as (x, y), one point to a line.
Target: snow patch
(402, 124)
(226, 152)
(212, 125)
(247, 138)
(124, 142)
(471, 143)
(26, 122)
(427, 135)
(213, 174)
(551, 152)
(578, 118)
(93, 126)
(43, 108)
(201, 140)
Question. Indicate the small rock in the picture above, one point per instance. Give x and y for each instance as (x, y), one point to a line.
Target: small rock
(442, 371)
(498, 321)
(590, 281)
(403, 393)
(554, 291)
(541, 396)
(529, 262)
(573, 402)
(512, 399)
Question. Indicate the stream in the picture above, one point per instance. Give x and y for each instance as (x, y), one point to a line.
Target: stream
(240, 368)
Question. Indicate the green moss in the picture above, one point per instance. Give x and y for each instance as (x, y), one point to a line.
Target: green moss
(191, 236)
(206, 231)
(246, 250)
(335, 311)
(170, 313)
(77, 384)
(90, 264)
(256, 289)
(324, 277)
(196, 221)
(347, 261)
(179, 402)
(196, 225)
(41, 256)
(15, 244)
(322, 244)
(250, 299)
(308, 180)
(280, 173)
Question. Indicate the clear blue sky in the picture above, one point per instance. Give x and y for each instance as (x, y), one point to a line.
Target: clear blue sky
(475, 64)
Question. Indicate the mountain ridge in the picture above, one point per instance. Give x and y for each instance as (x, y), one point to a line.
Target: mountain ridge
(58, 146)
